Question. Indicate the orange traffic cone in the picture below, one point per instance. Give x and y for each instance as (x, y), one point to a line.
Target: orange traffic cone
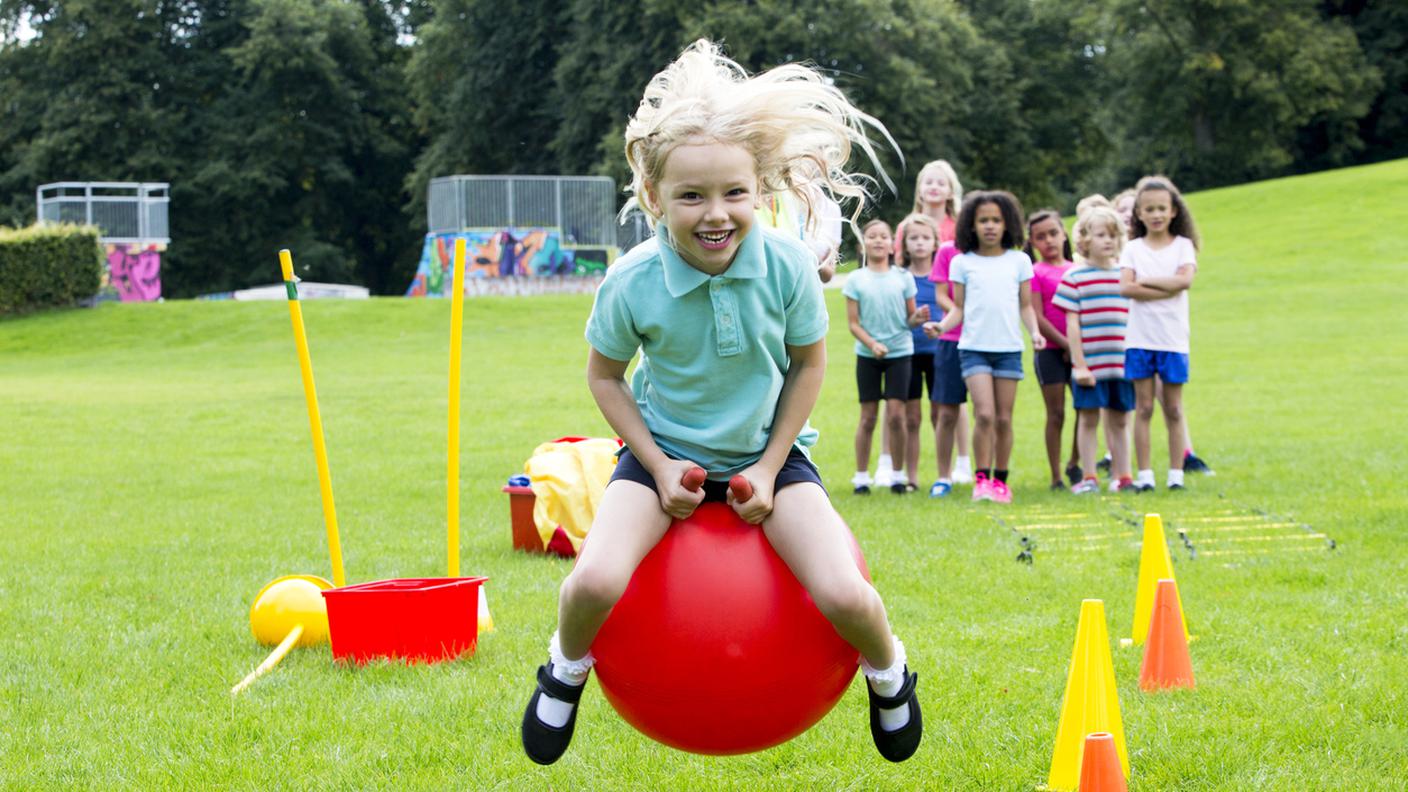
(1166, 662)
(1100, 765)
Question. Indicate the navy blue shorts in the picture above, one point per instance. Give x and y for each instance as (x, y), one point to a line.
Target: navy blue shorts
(1001, 365)
(949, 387)
(1114, 394)
(1172, 367)
(796, 469)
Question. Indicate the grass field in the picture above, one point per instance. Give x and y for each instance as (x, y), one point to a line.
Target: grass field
(155, 472)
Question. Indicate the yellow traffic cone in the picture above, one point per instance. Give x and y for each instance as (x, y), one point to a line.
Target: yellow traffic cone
(1091, 704)
(1154, 565)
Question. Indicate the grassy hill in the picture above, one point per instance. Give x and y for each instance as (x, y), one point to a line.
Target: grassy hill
(155, 472)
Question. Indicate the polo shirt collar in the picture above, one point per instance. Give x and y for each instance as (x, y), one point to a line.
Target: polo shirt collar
(681, 278)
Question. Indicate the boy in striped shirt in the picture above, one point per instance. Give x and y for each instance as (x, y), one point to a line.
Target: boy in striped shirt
(1096, 316)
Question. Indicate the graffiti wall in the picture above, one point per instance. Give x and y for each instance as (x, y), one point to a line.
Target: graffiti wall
(506, 261)
(134, 273)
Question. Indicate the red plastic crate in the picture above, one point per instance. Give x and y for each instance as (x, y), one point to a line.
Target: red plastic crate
(412, 619)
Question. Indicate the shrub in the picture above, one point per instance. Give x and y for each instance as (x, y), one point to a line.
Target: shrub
(45, 266)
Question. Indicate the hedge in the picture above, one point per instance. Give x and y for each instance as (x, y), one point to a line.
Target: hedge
(44, 266)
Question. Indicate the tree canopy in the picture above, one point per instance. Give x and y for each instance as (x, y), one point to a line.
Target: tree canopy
(317, 124)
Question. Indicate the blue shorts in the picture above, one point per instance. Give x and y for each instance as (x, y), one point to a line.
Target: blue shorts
(949, 387)
(1113, 394)
(1001, 365)
(1172, 367)
(797, 468)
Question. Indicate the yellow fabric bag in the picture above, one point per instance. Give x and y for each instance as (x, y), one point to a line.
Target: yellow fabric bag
(568, 477)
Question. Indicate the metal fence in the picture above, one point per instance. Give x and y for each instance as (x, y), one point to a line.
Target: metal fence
(124, 212)
(583, 207)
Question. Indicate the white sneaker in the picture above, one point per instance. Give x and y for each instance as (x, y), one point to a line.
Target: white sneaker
(963, 472)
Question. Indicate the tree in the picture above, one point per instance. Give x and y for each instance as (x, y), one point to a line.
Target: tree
(482, 80)
(907, 62)
(1217, 92)
(1382, 29)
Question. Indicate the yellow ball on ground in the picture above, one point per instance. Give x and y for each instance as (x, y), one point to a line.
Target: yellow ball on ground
(288, 601)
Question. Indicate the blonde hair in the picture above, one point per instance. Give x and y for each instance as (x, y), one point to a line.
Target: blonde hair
(1092, 218)
(921, 219)
(798, 128)
(1090, 202)
(1085, 205)
(955, 197)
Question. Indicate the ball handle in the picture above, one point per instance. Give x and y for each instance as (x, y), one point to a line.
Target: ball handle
(741, 488)
(694, 478)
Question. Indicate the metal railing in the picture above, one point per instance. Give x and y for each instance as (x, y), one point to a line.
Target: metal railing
(124, 212)
(582, 207)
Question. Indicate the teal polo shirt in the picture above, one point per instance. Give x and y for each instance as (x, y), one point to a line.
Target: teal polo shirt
(713, 349)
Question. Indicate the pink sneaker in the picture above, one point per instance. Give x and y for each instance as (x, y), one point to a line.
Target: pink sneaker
(999, 491)
(982, 489)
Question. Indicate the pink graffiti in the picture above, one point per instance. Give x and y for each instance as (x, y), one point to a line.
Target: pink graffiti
(134, 273)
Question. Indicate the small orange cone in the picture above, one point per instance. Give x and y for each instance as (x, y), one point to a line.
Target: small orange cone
(1166, 662)
(1100, 765)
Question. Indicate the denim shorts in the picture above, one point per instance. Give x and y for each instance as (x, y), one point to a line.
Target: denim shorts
(1112, 394)
(797, 468)
(1172, 367)
(949, 387)
(1001, 365)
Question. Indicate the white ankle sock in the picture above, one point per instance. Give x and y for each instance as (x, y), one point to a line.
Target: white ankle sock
(551, 711)
(963, 463)
(888, 682)
(886, 464)
(1145, 477)
(861, 479)
(1175, 477)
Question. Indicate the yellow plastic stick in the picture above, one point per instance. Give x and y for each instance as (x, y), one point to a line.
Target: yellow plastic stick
(452, 475)
(315, 421)
(270, 661)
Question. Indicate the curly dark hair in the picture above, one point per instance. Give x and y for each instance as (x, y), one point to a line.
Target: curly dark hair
(1013, 235)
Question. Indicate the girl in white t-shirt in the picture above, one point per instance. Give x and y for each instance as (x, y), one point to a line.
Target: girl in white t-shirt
(1156, 270)
(992, 297)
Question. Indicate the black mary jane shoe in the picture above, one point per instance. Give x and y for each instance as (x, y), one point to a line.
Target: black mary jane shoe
(545, 744)
(900, 744)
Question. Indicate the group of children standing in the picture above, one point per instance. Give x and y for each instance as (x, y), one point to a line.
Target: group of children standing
(942, 304)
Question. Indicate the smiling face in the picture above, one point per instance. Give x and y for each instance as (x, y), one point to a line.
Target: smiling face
(1155, 211)
(706, 195)
(878, 243)
(1049, 240)
(934, 188)
(919, 242)
(988, 225)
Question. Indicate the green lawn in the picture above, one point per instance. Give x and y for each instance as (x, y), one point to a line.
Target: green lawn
(156, 471)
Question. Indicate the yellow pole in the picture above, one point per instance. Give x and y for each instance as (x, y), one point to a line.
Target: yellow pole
(452, 475)
(315, 421)
(270, 661)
